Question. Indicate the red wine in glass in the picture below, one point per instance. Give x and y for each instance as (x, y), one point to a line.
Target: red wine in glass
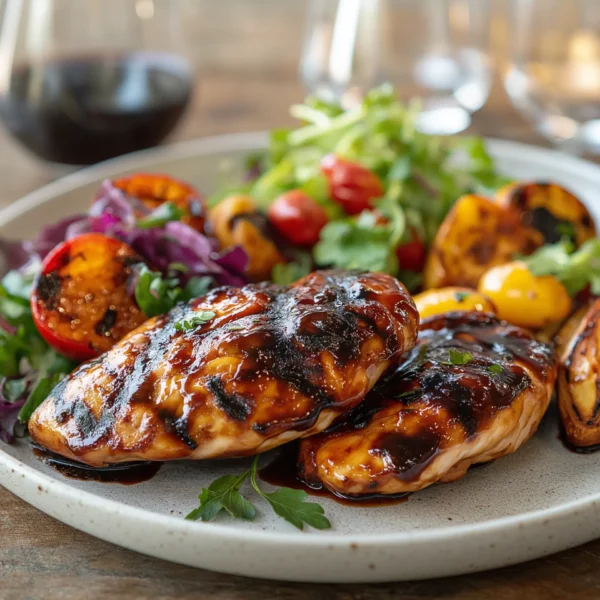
(80, 111)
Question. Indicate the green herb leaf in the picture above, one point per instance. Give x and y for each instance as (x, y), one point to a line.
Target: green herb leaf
(461, 296)
(154, 294)
(196, 287)
(223, 494)
(168, 211)
(356, 244)
(496, 369)
(291, 504)
(286, 273)
(575, 269)
(40, 391)
(198, 319)
(18, 283)
(458, 357)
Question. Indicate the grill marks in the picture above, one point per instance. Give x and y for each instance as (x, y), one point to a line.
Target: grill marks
(232, 405)
(428, 405)
(272, 360)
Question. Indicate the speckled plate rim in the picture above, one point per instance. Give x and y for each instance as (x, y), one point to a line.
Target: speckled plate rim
(578, 516)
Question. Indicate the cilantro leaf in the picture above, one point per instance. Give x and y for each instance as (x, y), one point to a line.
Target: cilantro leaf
(154, 294)
(224, 494)
(196, 320)
(356, 244)
(496, 369)
(291, 505)
(458, 357)
(168, 211)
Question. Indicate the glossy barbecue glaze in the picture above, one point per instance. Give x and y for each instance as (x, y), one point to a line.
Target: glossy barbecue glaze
(274, 364)
(430, 419)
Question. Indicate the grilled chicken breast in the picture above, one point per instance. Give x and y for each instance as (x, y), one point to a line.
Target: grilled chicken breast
(272, 365)
(434, 416)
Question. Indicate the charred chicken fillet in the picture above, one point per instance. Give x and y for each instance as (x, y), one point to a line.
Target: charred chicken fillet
(271, 364)
(472, 390)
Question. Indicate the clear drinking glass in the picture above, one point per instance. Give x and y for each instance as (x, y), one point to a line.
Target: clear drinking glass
(435, 50)
(85, 80)
(554, 75)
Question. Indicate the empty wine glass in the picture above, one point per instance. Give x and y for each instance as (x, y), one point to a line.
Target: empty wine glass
(554, 75)
(81, 82)
(435, 50)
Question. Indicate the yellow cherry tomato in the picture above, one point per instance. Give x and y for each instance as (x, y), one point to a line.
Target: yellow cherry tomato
(447, 299)
(523, 299)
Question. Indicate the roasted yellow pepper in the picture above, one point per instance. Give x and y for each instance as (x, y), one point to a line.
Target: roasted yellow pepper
(524, 299)
(447, 299)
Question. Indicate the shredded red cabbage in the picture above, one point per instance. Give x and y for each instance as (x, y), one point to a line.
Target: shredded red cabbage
(114, 213)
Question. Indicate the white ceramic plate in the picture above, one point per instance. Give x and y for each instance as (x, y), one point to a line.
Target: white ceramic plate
(538, 501)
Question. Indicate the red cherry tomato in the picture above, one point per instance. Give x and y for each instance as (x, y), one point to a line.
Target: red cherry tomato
(412, 255)
(351, 185)
(80, 302)
(297, 217)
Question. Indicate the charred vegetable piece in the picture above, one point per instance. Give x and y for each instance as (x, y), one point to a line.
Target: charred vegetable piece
(579, 367)
(475, 236)
(236, 222)
(80, 302)
(524, 299)
(449, 299)
(154, 191)
(551, 209)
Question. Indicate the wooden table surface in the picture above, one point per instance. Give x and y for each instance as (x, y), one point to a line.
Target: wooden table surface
(41, 558)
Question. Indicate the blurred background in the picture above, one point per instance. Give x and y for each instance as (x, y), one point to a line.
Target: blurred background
(181, 69)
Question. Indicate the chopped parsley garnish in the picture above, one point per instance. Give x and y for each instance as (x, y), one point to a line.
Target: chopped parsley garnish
(223, 494)
(198, 319)
(461, 296)
(168, 211)
(458, 357)
(495, 369)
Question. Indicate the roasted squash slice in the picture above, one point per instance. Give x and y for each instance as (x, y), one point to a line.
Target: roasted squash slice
(476, 234)
(549, 208)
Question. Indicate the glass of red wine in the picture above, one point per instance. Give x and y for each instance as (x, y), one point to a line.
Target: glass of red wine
(82, 81)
